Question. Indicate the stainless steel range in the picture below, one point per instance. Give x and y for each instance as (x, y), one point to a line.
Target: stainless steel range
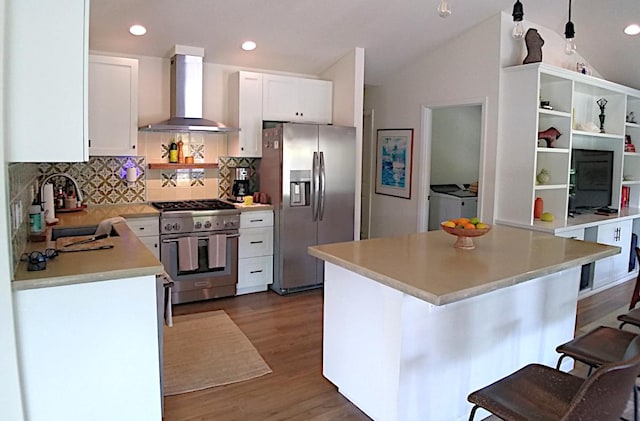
(199, 248)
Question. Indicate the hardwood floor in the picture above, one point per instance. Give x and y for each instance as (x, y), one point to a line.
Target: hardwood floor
(287, 331)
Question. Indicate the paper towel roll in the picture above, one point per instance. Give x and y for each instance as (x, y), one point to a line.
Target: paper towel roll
(48, 203)
(132, 175)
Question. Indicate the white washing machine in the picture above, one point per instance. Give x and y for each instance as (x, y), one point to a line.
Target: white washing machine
(450, 201)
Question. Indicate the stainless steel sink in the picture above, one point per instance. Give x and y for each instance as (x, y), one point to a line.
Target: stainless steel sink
(78, 231)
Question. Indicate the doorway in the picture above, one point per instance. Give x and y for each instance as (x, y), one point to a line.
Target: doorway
(453, 138)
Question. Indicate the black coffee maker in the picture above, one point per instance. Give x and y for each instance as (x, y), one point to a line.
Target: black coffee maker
(240, 187)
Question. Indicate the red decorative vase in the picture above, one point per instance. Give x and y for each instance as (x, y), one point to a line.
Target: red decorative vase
(538, 208)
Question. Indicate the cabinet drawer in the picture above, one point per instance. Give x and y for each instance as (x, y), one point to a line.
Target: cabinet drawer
(255, 242)
(255, 219)
(144, 226)
(255, 271)
(152, 243)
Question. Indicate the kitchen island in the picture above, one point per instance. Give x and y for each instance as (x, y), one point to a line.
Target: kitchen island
(412, 325)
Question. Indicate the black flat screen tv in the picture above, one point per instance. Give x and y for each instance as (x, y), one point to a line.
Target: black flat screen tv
(592, 177)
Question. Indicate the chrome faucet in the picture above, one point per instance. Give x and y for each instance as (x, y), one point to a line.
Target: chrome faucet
(75, 184)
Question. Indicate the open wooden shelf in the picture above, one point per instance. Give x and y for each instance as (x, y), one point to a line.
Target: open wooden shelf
(168, 166)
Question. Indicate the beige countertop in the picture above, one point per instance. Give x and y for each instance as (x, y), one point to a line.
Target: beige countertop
(254, 207)
(427, 266)
(128, 258)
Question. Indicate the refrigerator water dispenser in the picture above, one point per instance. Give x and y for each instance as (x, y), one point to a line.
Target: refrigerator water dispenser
(299, 188)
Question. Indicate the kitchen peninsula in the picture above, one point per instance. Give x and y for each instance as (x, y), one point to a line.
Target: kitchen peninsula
(88, 326)
(412, 325)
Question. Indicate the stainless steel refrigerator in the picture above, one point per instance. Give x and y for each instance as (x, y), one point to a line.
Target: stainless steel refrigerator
(309, 172)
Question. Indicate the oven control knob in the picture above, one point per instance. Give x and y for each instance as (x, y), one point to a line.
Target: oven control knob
(207, 224)
(167, 227)
(198, 225)
(176, 226)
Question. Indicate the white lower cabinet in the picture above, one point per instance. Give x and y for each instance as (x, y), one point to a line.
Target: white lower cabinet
(615, 267)
(255, 252)
(148, 230)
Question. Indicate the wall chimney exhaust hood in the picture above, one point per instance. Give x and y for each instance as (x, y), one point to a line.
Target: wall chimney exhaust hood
(186, 99)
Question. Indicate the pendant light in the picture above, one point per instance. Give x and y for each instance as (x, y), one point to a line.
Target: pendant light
(443, 9)
(518, 13)
(569, 33)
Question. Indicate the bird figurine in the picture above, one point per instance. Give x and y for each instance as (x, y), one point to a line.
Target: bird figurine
(549, 136)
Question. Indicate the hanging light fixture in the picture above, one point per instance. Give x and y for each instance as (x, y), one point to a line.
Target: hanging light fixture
(569, 33)
(443, 9)
(518, 13)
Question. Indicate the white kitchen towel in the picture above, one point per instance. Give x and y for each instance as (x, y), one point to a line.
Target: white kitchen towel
(217, 251)
(187, 253)
(105, 226)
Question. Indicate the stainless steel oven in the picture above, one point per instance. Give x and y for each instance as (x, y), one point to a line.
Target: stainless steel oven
(202, 283)
(201, 221)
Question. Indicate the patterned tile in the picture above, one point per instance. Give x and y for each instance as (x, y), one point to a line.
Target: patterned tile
(227, 166)
(197, 151)
(197, 177)
(169, 179)
(102, 180)
(22, 178)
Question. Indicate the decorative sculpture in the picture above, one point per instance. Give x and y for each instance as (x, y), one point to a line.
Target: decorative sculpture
(549, 136)
(601, 103)
(534, 43)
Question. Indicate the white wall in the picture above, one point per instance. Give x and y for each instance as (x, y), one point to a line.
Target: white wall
(10, 395)
(455, 144)
(461, 71)
(347, 75)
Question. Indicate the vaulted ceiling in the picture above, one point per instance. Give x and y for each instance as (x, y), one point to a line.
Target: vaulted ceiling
(307, 36)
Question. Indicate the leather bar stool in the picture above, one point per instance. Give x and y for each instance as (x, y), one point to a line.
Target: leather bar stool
(633, 316)
(538, 392)
(598, 347)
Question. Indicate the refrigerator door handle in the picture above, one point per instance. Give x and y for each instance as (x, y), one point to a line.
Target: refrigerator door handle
(322, 187)
(315, 186)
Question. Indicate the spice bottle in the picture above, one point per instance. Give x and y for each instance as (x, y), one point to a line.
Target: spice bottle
(173, 152)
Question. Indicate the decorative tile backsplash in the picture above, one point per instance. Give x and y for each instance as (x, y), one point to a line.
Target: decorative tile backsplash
(22, 184)
(227, 166)
(102, 179)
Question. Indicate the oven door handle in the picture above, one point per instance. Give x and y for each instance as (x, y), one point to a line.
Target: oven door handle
(200, 238)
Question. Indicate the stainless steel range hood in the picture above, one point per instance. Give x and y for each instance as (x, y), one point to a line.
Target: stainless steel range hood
(186, 100)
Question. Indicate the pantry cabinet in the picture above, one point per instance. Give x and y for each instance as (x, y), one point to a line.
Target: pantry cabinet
(296, 99)
(255, 252)
(46, 64)
(245, 111)
(113, 106)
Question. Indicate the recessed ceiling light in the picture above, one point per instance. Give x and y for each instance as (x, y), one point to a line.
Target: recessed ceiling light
(248, 45)
(632, 29)
(138, 30)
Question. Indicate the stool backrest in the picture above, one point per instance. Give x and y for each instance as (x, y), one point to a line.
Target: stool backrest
(604, 395)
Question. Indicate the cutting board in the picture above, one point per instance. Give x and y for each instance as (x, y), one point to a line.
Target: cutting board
(94, 245)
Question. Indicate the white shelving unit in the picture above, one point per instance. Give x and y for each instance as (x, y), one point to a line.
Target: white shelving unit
(573, 100)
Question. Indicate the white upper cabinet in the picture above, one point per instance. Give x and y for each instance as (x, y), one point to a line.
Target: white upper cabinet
(113, 106)
(297, 99)
(245, 112)
(46, 66)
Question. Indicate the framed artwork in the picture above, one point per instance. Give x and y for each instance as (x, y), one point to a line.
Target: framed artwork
(393, 162)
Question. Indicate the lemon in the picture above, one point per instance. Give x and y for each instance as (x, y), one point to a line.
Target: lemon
(449, 224)
(547, 217)
(481, 225)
